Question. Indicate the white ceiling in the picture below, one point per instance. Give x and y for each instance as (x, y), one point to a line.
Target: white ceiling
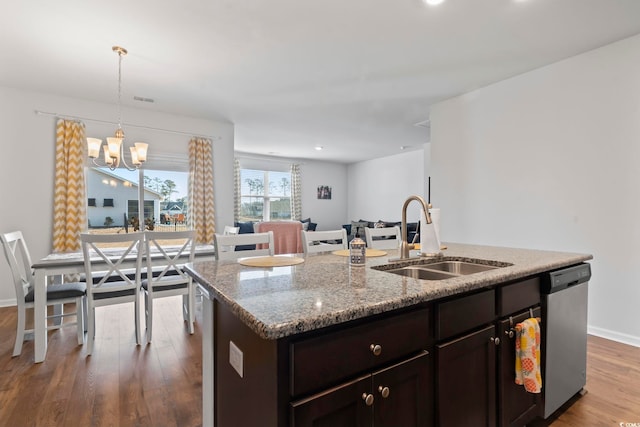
(353, 76)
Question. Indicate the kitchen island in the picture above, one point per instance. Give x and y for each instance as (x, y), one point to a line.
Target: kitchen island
(282, 344)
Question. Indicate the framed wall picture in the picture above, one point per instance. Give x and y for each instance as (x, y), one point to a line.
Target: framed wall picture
(324, 192)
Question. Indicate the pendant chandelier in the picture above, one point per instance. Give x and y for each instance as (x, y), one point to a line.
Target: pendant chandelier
(114, 149)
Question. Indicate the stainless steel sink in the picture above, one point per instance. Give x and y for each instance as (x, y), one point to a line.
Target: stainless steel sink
(421, 273)
(460, 267)
(440, 269)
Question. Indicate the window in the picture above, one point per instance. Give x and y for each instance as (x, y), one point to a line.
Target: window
(165, 199)
(260, 202)
(91, 202)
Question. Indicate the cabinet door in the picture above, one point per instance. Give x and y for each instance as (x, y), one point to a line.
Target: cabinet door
(517, 407)
(342, 406)
(466, 380)
(404, 394)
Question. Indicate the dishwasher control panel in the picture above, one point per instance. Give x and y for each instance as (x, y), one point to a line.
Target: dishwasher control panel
(562, 279)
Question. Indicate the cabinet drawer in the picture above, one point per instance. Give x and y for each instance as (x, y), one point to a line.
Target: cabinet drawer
(325, 360)
(518, 296)
(463, 314)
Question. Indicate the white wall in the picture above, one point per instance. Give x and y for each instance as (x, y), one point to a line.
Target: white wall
(379, 187)
(328, 214)
(550, 160)
(27, 142)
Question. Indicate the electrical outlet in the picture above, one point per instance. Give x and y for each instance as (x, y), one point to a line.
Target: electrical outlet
(235, 358)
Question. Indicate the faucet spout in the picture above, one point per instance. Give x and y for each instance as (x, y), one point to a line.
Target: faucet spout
(405, 246)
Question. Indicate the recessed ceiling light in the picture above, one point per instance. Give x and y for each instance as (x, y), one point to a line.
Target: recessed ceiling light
(319, 147)
(433, 2)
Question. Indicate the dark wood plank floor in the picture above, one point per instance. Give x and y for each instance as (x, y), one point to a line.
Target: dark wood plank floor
(160, 384)
(120, 384)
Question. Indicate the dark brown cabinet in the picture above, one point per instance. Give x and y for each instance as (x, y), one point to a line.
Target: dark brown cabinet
(518, 406)
(475, 357)
(399, 395)
(444, 363)
(466, 380)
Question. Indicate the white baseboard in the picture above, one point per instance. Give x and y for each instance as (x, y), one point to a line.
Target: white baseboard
(8, 302)
(614, 336)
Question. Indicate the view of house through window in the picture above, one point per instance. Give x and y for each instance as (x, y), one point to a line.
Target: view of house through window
(112, 200)
(265, 195)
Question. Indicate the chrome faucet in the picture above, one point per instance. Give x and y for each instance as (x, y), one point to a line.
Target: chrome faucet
(405, 246)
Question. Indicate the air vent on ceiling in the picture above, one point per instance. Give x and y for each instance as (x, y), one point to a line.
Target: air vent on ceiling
(142, 99)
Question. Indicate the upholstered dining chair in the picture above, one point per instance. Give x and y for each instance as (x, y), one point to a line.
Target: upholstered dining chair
(19, 259)
(323, 241)
(111, 279)
(263, 241)
(383, 238)
(165, 277)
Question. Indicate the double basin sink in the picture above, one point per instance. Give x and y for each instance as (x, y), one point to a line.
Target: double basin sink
(441, 268)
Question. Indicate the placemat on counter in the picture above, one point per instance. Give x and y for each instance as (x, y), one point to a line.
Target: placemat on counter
(416, 246)
(270, 261)
(368, 252)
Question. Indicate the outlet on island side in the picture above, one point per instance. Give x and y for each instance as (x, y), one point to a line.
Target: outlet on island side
(235, 358)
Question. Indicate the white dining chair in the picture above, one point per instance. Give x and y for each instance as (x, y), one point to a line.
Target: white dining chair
(114, 283)
(383, 238)
(260, 240)
(229, 230)
(165, 276)
(323, 241)
(19, 259)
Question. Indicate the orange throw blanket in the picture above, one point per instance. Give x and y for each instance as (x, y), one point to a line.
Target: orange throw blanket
(528, 355)
(287, 235)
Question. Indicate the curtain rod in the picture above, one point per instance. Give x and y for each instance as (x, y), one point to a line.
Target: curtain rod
(288, 160)
(66, 116)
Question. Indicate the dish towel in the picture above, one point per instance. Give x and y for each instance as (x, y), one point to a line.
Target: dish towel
(528, 355)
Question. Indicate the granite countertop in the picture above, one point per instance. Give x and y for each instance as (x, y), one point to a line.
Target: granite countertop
(324, 290)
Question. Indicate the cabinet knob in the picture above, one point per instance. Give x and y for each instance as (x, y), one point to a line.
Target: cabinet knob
(495, 340)
(509, 333)
(376, 349)
(368, 398)
(384, 391)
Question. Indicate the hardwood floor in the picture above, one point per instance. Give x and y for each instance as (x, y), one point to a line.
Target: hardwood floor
(120, 384)
(159, 384)
(613, 387)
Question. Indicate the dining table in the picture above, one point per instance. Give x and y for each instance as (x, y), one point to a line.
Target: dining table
(69, 263)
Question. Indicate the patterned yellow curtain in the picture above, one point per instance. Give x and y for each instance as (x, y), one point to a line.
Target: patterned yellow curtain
(237, 202)
(296, 193)
(69, 211)
(201, 207)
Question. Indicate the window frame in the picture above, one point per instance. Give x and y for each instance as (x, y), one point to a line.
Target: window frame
(266, 196)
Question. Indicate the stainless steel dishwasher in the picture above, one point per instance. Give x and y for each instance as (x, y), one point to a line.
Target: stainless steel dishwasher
(565, 307)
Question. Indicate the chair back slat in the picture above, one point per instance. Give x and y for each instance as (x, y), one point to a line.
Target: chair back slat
(323, 241)
(175, 248)
(98, 257)
(223, 243)
(15, 250)
(388, 237)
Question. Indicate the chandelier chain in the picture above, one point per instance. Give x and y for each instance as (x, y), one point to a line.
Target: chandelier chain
(119, 90)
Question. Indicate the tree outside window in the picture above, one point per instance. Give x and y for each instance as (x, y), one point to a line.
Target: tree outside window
(260, 202)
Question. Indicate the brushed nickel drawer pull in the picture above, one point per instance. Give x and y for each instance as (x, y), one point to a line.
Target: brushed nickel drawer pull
(376, 349)
(368, 398)
(384, 391)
